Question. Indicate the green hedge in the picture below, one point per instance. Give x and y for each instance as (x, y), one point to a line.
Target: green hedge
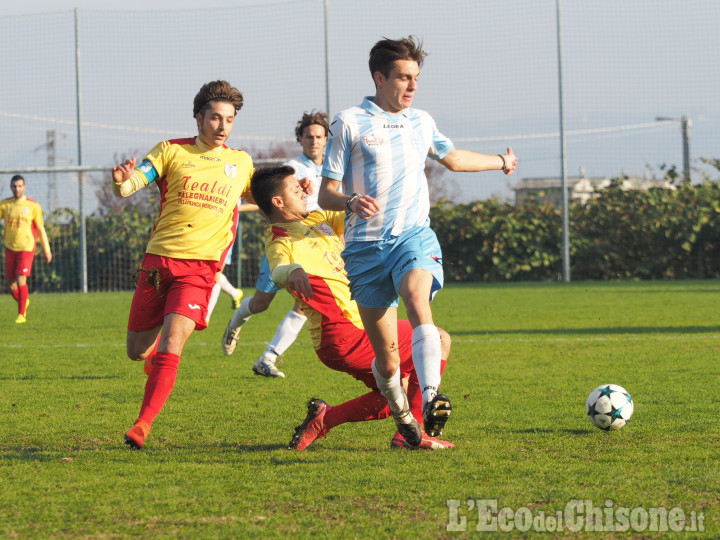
(655, 234)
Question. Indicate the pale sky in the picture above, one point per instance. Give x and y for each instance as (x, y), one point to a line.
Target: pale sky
(625, 64)
(27, 7)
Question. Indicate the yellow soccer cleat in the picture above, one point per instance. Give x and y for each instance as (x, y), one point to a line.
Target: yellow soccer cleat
(20, 319)
(237, 300)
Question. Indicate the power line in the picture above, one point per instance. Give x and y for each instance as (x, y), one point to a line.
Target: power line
(548, 135)
(555, 134)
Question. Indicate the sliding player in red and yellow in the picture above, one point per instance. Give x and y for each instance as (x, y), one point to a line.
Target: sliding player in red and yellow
(303, 252)
(23, 224)
(200, 182)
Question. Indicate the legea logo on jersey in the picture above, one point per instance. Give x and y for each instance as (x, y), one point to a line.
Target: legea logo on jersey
(372, 140)
(230, 170)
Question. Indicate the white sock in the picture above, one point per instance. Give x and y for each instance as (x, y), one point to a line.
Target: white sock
(212, 301)
(227, 287)
(427, 354)
(242, 314)
(391, 389)
(286, 333)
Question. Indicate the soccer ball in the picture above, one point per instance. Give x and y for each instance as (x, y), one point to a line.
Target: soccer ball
(609, 407)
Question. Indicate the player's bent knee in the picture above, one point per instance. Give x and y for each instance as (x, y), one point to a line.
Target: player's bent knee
(258, 303)
(445, 343)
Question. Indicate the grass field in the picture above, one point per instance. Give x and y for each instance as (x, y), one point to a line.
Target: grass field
(524, 359)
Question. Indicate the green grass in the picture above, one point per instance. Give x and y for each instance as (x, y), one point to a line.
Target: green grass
(524, 359)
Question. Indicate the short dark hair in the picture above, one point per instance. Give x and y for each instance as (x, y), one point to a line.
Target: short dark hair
(217, 91)
(266, 183)
(311, 118)
(16, 177)
(387, 51)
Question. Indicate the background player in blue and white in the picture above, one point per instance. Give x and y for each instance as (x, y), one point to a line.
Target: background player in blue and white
(378, 151)
(311, 132)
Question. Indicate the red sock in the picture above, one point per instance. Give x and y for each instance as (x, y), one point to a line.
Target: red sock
(22, 298)
(159, 385)
(370, 406)
(15, 292)
(415, 395)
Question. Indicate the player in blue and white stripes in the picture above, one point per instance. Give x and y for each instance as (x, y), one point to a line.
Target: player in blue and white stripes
(377, 151)
(311, 132)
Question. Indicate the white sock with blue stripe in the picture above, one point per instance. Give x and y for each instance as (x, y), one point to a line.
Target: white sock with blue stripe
(427, 354)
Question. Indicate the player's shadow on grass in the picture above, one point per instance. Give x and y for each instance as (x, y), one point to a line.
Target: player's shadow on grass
(595, 331)
(545, 431)
(29, 455)
(55, 378)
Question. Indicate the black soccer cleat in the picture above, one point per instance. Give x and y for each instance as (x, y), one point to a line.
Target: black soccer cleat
(408, 427)
(435, 413)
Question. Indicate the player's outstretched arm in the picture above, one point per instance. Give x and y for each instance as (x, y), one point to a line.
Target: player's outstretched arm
(125, 181)
(124, 171)
(466, 161)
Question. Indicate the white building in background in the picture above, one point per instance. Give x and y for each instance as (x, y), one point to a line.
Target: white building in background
(582, 189)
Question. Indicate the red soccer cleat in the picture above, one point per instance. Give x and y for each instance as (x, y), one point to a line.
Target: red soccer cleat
(312, 427)
(136, 436)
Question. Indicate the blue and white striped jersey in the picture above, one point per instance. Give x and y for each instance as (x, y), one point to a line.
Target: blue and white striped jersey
(373, 152)
(306, 168)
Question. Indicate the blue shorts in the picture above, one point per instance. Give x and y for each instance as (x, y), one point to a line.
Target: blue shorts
(264, 281)
(376, 269)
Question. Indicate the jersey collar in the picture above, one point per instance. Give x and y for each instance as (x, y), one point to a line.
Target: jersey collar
(204, 148)
(370, 106)
(309, 163)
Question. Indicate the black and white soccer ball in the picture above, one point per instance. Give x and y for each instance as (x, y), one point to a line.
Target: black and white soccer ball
(609, 407)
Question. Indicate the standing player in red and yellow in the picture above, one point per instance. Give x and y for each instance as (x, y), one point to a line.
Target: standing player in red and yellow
(200, 181)
(23, 223)
(304, 254)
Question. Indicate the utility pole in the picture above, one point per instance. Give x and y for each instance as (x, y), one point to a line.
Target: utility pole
(51, 137)
(685, 125)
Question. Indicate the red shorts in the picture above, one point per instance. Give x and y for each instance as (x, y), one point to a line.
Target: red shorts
(344, 347)
(18, 263)
(184, 287)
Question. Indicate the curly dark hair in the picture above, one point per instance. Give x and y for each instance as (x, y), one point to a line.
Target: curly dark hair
(217, 91)
(311, 118)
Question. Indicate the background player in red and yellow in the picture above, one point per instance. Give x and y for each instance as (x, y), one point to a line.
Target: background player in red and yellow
(304, 254)
(23, 224)
(200, 181)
